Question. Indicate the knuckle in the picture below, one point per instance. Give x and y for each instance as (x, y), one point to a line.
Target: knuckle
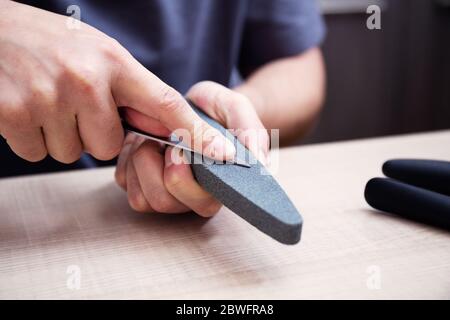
(15, 115)
(29, 152)
(171, 100)
(173, 181)
(89, 89)
(112, 49)
(112, 138)
(225, 97)
(66, 152)
(87, 83)
(201, 88)
(34, 155)
(241, 97)
(43, 94)
(106, 153)
(231, 102)
(137, 202)
(59, 55)
(238, 101)
(211, 207)
(84, 77)
(204, 84)
(163, 204)
(67, 157)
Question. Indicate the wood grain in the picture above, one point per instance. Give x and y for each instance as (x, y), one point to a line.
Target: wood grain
(50, 222)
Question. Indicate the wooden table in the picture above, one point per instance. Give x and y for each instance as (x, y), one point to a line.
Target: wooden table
(57, 229)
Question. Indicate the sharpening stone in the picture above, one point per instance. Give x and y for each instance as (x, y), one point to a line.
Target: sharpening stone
(252, 193)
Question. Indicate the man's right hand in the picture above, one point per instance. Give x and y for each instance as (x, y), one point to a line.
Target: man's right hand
(61, 88)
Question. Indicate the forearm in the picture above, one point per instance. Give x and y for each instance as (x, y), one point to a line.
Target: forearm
(288, 93)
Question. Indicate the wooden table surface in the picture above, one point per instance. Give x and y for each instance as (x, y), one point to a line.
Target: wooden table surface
(57, 229)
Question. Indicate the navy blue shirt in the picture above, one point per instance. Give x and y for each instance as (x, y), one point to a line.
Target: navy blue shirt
(186, 41)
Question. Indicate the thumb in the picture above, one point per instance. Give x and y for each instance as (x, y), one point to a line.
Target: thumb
(235, 111)
(157, 103)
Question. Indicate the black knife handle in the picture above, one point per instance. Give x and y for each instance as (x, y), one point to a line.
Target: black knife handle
(409, 201)
(428, 174)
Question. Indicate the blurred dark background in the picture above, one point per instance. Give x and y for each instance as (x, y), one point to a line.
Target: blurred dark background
(389, 81)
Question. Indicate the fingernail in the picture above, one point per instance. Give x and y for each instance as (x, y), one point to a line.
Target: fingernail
(222, 148)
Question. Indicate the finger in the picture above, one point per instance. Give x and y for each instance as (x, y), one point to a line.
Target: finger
(140, 120)
(180, 182)
(233, 110)
(19, 127)
(133, 142)
(149, 165)
(135, 195)
(121, 166)
(138, 88)
(62, 139)
(100, 127)
(27, 143)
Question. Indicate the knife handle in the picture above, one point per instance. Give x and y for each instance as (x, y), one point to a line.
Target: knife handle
(409, 201)
(428, 174)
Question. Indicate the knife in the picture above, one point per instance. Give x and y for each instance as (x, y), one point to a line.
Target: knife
(174, 142)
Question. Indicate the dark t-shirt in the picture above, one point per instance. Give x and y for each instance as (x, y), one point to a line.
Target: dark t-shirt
(186, 41)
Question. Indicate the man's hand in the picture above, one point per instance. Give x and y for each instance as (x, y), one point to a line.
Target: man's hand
(60, 89)
(154, 182)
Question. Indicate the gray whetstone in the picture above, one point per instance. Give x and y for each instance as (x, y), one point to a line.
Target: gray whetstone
(254, 196)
